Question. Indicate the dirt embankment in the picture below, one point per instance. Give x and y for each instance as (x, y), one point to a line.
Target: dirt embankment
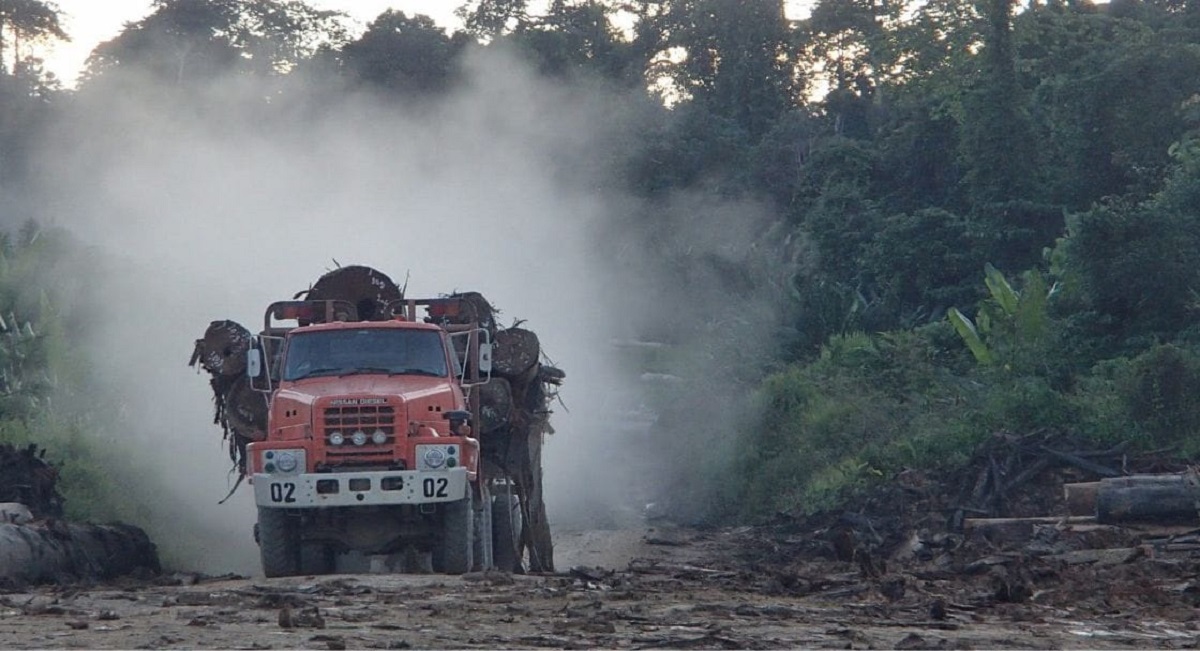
(656, 588)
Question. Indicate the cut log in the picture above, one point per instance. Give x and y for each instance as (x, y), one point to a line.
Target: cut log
(246, 410)
(525, 466)
(55, 551)
(983, 523)
(1161, 499)
(222, 350)
(1002, 531)
(474, 308)
(495, 405)
(367, 289)
(1081, 497)
(516, 353)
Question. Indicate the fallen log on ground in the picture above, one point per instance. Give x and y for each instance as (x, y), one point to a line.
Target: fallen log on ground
(54, 551)
(1160, 499)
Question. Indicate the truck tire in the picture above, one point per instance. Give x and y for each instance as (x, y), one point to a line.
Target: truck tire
(278, 542)
(506, 526)
(452, 554)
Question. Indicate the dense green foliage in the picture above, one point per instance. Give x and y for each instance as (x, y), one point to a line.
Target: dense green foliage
(971, 216)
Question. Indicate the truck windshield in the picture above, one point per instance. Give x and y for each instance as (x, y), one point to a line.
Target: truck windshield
(367, 350)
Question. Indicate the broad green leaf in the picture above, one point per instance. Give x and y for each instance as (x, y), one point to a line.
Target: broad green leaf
(967, 331)
(1004, 294)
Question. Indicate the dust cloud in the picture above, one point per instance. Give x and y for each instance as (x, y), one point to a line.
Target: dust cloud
(210, 207)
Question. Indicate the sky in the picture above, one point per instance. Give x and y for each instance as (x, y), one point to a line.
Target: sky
(90, 22)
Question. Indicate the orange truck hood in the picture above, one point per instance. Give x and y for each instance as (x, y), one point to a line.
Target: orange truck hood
(407, 387)
(414, 397)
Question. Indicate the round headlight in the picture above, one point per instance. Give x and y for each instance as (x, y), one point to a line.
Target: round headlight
(336, 438)
(434, 458)
(359, 438)
(285, 461)
(379, 437)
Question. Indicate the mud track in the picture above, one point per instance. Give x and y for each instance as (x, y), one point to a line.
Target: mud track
(664, 588)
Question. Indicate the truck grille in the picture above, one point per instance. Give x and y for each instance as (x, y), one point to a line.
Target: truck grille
(367, 418)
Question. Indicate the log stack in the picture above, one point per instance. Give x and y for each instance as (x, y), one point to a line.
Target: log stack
(36, 545)
(515, 418)
(239, 410)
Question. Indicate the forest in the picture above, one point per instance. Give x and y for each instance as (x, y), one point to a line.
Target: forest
(963, 218)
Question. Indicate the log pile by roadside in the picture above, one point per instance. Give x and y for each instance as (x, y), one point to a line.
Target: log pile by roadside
(36, 545)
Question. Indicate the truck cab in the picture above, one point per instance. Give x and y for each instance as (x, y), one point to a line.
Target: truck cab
(369, 450)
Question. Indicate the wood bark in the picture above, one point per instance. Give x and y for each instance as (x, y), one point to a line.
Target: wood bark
(495, 405)
(222, 350)
(1081, 497)
(367, 289)
(516, 354)
(1161, 499)
(57, 551)
(27, 478)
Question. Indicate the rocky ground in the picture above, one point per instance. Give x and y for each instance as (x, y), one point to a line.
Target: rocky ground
(670, 588)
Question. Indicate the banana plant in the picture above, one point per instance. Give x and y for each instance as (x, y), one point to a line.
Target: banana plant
(1020, 315)
(966, 329)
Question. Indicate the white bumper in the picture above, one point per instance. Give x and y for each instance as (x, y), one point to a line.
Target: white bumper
(315, 490)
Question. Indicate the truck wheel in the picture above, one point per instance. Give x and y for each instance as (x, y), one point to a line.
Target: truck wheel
(506, 526)
(452, 553)
(278, 542)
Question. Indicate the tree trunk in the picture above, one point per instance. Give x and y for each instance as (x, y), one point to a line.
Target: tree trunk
(1161, 499)
(57, 551)
(495, 405)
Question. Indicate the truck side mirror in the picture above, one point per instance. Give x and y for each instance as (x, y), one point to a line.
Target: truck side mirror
(253, 362)
(485, 359)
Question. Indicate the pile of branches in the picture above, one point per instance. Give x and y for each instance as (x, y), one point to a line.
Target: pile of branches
(1008, 476)
(27, 478)
(1013, 475)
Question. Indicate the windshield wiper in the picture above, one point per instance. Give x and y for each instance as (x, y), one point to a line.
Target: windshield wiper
(317, 372)
(362, 370)
(416, 371)
(365, 370)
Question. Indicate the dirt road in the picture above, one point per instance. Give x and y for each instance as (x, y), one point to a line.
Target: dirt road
(669, 588)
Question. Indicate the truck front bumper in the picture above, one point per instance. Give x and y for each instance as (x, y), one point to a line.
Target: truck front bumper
(316, 490)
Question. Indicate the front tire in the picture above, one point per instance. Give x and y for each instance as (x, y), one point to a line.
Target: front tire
(506, 526)
(278, 542)
(453, 552)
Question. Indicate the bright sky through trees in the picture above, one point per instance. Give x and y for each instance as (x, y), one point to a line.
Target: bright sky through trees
(90, 22)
